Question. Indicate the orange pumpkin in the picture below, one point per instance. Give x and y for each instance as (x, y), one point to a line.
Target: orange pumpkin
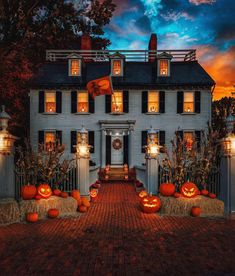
(142, 193)
(85, 202)
(93, 193)
(57, 192)
(44, 190)
(64, 194)
(177, 195)
(195, 211)
(189, 189)
(204, 192)
(167, 189)
(82, 209)
(32, 217)
(37, 197)
(211, 195)
(150, 204)
(53, 213)
(76, 194)
(28, 192)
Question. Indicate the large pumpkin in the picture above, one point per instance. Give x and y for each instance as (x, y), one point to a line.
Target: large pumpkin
(28, 191)
(32, 217)
(150, 204)
(189, 189)
(85, 202)
(195, 211)
(53, 213)
(44, 190)
(167, 189)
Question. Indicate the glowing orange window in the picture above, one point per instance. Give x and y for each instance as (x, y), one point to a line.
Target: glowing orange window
(50, 139)
(117, 67)
(50, 102)
(163, 67)
(188, 102)
(117, 102)
(82, 104)
(188, 139)
(153, 101)
(75, 67)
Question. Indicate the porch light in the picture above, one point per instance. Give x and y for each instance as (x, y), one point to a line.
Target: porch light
(83, 149)
(152, 148)
(228, 144)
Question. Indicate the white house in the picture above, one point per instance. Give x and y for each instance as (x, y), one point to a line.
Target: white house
(166, 89)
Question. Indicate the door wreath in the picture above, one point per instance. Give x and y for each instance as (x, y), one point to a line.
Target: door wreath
(117, 144)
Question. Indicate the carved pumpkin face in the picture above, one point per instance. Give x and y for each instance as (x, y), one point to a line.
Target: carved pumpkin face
(189, 190)
(44, 190)
(93, 193)
(150, 204)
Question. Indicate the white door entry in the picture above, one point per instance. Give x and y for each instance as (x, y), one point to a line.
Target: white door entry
(117, 150)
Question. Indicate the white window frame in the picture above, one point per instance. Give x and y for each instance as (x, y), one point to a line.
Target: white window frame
(115, 59)
(69, 67)
(154, 112)
(168, 62)
(49, 91)
(191, 112)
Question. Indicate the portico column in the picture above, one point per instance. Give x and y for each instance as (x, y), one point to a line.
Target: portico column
(130, 149)
(103, 148)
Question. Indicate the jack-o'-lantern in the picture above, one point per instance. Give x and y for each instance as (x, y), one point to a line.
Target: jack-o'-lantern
(204, 192)
(28, 191)
(44, 190)
(167, 189)
(93, 193)
(32, 217)
(189, 189)
(211, 195)
(150, 204)
(195, 211)
(53, 213)
(142, 193)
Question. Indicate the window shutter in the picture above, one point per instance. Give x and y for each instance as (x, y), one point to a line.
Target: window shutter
(107, 103)
(162, 135)
(126, 101)
(125, 142)
(180, 101)
(73, 137)
(74, 99)
(41, 101)
(91, 140)
(108, 149)
(58, 101)
(162, 102)
(197, 101)
(198, 138)
(58, 138)
(41, 137)
(144, 101)
(144, 137)
(91, 104)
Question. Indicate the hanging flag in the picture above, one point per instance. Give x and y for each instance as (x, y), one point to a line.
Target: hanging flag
(101, 86)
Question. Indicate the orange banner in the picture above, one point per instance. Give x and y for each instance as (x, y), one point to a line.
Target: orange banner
(101, 86)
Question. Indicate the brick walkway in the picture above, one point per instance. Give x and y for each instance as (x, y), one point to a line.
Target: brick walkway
(116, 238)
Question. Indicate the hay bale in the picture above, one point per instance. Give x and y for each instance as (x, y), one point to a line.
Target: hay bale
(9, 211)
(66, 206)
(182, 206)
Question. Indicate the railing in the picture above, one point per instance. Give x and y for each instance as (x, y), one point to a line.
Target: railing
(130, 55)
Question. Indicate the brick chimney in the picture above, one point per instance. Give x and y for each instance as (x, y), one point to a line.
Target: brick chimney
(86, 44)
(152, 46)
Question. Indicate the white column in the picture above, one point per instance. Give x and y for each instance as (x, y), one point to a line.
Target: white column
(103, 148)
(130, 148)
(83, 175)
(152, 174)
(7, 176)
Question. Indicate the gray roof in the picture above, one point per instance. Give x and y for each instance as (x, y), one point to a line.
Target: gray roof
(141, 74)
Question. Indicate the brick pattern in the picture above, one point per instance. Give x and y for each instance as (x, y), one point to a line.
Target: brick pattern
(116, 238)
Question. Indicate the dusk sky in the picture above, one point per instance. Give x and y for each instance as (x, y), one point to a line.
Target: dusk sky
(206, 25)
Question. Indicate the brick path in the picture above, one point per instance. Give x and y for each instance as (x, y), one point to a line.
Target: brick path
(116, 238)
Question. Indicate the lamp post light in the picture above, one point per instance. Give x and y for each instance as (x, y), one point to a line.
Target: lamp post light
(83, 149)
(152, 149)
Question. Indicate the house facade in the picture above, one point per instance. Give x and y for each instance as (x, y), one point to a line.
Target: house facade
(167, 90)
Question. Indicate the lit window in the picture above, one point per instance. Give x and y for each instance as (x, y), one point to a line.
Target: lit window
(188, 139)
(82, 104)
(50, 102)
(117, 68)
(188, 102)
(50, 140)
(163, 67)
(153, 101)
(74, 67)
(117, 102)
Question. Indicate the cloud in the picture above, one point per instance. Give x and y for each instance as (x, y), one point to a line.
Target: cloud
(174, 16)
(200, 2)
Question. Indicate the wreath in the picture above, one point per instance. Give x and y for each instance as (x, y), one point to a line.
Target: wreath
(117, 144)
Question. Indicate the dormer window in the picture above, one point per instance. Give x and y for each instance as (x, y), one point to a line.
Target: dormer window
(74, 65)
(117, 64)
(164, 64)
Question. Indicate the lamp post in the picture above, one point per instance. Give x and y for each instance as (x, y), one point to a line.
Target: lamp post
(7, 182)
(83, 157)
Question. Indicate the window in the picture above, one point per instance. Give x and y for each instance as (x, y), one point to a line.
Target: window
(188, 102)
(117, 102)
(50, 102)
(82, 102)
(74, 67)
(117, 67)
(163, 67)
(188, 139)
(153, 101)
(155, 138)
(50, 140)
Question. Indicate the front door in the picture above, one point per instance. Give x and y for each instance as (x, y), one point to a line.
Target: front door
(117, 150)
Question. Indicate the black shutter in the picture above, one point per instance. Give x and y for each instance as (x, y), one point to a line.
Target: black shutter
(108, 149)
(73, 141)
(91, 140)
(162, 139)
(58, 137)
(162, 102)
(144, 137)
(180, 101)
(58, 101)
(125, 101)
(125, 142)
(91, 104)
(41, 137)
(198, 138)
(74, 100)
(107, 103)
(197, 100)
(41, 101)
(144, 101)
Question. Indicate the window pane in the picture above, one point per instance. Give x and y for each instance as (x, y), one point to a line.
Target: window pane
(50, 139)
(188, 139)
(163, 67)
(153, 101)
(117, 67)
(155, 139)
(188, 102)
(50, 102)
(117, 101)
(75, 67)
(82, 102)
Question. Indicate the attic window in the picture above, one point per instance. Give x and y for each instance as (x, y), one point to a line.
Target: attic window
(74, 67)
(164, 67)
(117, 67)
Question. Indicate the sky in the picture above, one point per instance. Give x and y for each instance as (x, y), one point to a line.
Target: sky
(205, 25)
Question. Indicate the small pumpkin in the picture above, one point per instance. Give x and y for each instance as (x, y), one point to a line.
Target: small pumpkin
(211, 195)
(150, 204)
(189, 190)
(53, 213)
(142, 193)
(85, 202)
(167, 189)
(93, 193)
(204, 192)
(76, 194)
(195, 211)
(28, 192)
(64, 194)
(57, 192)
(82, 209)
(37, 197)
(177, 195)
(44, 190)
(32, 217)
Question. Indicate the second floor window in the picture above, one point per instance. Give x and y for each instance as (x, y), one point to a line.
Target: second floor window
(50, 140)
(153, 101)
(50, 102)
(164, 67)
(117, 67)
(82, 102)
(74, 67)
(117, 102)
(188, 102)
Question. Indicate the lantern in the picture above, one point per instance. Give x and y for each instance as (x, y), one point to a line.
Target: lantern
(189, 190)
(152, 148)
(83, 149)
(150, 204)
(228, 144)
(93, 193)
